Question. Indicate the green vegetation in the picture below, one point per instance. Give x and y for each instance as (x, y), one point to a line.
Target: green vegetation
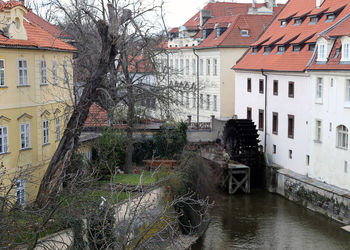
(134, 179)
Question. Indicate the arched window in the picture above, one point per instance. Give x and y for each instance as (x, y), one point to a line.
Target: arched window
(342, 137)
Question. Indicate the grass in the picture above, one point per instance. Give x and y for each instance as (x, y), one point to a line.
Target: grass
(134, 179)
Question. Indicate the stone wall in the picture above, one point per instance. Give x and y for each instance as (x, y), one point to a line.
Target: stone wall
(207, 135)
(317, 196)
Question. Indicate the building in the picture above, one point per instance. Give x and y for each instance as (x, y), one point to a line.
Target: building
(205, 47)
(292, 86)
(35, 93)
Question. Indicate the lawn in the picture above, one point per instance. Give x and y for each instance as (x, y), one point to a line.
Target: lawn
(134, 179)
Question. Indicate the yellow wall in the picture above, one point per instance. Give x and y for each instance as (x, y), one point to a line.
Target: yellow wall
(228, 57)
(33, 104)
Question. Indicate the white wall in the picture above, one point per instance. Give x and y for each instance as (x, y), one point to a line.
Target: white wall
(299, 106)
(328, 161)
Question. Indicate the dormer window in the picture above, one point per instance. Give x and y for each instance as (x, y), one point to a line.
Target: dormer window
(313, 19)
(346, 50)
(321, 56)
(297, 21)
(337, 53)
(244, 33)
(220, 31)
(206, 33)
(281, 49)
(312, 46)
(284, 23)
(267, 50)
(255, 50)
(296, 48)
(330, 17)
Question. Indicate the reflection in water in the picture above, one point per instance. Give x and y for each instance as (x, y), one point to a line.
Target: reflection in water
(266, 221)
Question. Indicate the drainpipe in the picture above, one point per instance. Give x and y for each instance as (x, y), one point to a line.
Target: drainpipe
(265, 111)
(194, 52)
(168, 73)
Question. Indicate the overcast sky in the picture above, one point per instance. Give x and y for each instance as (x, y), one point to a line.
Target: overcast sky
(179, 11)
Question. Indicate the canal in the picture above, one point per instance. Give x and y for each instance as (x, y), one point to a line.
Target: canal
(267, 221)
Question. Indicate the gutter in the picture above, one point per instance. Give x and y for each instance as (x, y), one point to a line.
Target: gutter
(265, 111)
(194, 52)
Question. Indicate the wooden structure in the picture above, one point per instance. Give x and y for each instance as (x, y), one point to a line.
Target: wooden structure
(157, 163)
(238, 178)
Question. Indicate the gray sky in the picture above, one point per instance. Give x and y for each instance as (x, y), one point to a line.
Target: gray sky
(179, 11)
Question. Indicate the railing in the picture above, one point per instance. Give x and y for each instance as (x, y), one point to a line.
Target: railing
(199, 126)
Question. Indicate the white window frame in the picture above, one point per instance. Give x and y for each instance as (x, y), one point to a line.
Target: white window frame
(24, 135)
(319, 89)
(46, 134)
(58, 128)
(187, 66)
(176, 66)
(342, 137)
(22, 72)
(3, 140)
(321, 53)
(21, 192)
(346, 52)
(2, 73)
(54, 72)
(208, 102)
(43, 72)
(318, 131)
(215, 108)
(215, 65)
(208, 67)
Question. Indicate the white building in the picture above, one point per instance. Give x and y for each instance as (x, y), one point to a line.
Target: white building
(285, 107)
(209, 44)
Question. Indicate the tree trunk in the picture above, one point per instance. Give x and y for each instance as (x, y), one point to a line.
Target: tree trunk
(54, 174)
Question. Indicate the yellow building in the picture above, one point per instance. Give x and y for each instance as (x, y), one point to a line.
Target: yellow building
(35, 95)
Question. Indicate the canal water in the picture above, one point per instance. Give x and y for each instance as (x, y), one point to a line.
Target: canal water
(267, 221)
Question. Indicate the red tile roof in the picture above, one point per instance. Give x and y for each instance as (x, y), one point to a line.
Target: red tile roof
(306, 32)
(38, 37)
(233, 16)
(97, 117)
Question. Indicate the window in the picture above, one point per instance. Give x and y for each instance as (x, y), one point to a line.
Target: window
(177, 65)
(291, 89)
(201, 67)
(284, 23)
(312, 46)
(208, 67)
(54, 72)
(43, 72)
(249, 85)
(171, 65)
(281, 49)
(345, 166)
(187, 66)
(296, 48)
(2, 73)
(215, 103)
(275, 87)
(267, 50)
(25, 136)
(194, 67)
(346, 55)
(215, 67)
(297, 21)
(3, 140)
(22, 73)
(261, 119)
(261, 86)
(274, 148)
(208, 102)
(290, 154)
(291, 126)
(330, 17)
(194, 99)
(249, 113)
(319, 88)
(321, 52)
(348, 90)
(58, 129)
(65, 72)
(255, 50)
(244, 33)
(307, 160)
(313, 19)
(275, 123)
(342, 137)
(182, 66)
(45, 132)
(20, 192)
(201, 101)
(318, 130)
(187, 100)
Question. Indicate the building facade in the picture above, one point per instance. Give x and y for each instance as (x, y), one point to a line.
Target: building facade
(35, 93)
(302, 115)
(200, 55)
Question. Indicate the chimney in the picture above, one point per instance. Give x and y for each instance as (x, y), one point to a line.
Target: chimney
(204, 16)
(270, 4)
(319, 3)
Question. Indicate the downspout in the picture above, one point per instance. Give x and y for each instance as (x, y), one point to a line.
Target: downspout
(168, 72)
(265, 111)
(194, 52)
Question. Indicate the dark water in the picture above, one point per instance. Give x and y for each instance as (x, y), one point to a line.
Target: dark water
(266, 221)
